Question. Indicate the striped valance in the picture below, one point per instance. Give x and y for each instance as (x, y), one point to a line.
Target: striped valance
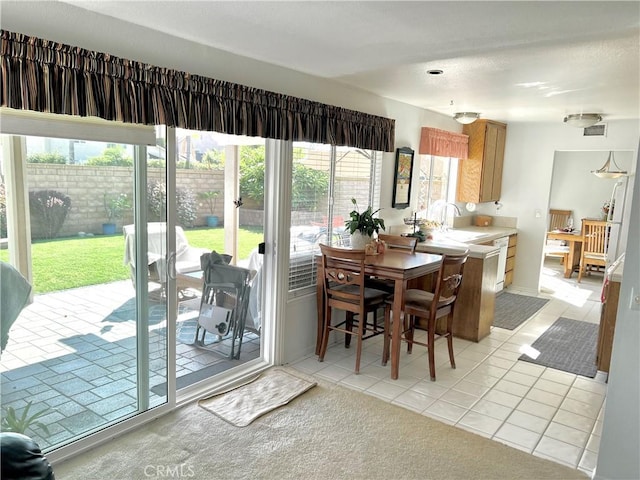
(46, 76)
(443, 143)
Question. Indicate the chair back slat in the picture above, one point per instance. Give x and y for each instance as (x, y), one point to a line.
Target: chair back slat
(594, 236)
(449, 279)
(558, 219)
(398, 242)
(343, 268)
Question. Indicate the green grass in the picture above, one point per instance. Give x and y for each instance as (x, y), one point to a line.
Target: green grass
(66, 263)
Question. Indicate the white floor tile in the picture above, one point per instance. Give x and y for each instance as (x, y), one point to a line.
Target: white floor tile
(502, 398)
(493, 410)
(536, 408)
(461, 399)
(511, 387)
(552, 387)
(567, 434)
(518, 435)
(482, 423)
(528, 421)
(446, 410)
(573, 420)
(557, 449)
(413, 400)
(542, 396)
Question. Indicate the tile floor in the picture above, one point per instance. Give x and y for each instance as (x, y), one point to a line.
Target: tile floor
(545, 412)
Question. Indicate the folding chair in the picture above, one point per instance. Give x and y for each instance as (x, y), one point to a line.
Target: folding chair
(224, 303)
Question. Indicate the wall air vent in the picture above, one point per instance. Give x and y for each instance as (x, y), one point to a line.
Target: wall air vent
(599, 130)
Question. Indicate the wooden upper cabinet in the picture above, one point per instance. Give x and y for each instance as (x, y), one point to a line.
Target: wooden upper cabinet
(480, 175)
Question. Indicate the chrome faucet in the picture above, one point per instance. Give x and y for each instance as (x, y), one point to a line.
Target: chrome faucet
(442, 205)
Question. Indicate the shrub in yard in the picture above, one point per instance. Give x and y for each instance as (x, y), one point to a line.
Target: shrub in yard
(112, 157)
(49, 210)
(186, 205)
(49, 157)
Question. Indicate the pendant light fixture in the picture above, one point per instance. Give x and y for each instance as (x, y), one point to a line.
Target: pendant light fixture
(606, 172)
(466, 118)
(582, 120)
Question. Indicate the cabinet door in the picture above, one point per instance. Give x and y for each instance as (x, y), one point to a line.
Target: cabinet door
(480, 175)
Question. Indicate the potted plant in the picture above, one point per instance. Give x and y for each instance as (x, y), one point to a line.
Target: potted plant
(210, 198)
(115, 206)
(361, 226)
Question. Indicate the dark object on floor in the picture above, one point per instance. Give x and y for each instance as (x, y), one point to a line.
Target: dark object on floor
(22, 459)
(568, 345)
(513, 310)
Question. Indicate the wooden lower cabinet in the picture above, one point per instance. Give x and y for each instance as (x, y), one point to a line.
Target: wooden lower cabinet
(607, 326)
(475, 305)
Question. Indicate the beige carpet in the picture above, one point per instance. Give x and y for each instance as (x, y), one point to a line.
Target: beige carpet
(328, 432)
(242, 405)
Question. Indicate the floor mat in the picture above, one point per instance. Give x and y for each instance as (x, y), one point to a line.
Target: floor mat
(568, 345)
(513, 310)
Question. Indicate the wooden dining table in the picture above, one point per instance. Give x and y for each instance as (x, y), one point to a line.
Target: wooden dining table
(401, 267)
(574, 242)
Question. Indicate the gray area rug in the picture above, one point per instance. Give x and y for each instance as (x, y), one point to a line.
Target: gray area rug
(568, 345)
(512, 310)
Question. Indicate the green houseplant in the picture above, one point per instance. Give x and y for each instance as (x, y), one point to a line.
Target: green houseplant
(210, 198)
(12, 422)
(115, 206)
(362, 225)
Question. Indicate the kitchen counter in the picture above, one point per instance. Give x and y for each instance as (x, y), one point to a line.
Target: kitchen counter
(457, 240)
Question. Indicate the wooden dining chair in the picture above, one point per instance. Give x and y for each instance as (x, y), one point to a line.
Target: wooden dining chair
(594, 244)
(396, 243)
(344, 288)
(422, 309)
(558, 219)
(399, 242)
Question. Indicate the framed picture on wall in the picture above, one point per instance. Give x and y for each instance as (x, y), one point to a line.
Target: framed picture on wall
(402, 178)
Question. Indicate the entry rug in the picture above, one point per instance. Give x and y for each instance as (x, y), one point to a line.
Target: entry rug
(512, 310)
(568, 345)
(244, 404)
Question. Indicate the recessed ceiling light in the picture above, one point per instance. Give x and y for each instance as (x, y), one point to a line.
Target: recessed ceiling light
(435, 72)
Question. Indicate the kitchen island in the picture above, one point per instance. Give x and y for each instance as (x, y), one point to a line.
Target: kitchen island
(475, 307)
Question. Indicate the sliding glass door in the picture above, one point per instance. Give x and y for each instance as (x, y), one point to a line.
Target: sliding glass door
(89, 349)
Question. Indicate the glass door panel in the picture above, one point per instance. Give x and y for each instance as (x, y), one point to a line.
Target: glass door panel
(88, 350)
(220, 207)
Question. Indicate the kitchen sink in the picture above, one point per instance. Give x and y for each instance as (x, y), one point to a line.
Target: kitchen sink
(462, 235)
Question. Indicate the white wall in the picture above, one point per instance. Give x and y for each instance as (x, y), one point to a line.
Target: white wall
(526, 183)
(620, 443)
(575, 188)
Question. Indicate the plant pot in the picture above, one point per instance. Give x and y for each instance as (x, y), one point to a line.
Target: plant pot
(108, 228)
(212, 220)
(359, 240)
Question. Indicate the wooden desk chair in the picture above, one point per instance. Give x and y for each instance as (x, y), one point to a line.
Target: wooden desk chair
(345, 289)
(594, 241)
(423, 310)
(558, 219)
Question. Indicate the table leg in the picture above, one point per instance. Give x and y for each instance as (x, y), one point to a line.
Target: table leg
(396, 331)
(571, 259)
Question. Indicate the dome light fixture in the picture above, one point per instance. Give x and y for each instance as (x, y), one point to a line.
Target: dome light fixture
(582, 120)
(606, 172)
(466, 118)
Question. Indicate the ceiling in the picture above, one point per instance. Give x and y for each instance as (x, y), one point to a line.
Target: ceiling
(509, 61)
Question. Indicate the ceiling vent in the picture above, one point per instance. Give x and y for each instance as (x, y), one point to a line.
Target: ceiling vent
(599, 130)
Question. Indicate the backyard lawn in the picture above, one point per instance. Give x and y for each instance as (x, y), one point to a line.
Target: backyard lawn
(66, 263)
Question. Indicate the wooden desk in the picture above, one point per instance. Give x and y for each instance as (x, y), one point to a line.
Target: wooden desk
(571, 259)
(397, 266)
